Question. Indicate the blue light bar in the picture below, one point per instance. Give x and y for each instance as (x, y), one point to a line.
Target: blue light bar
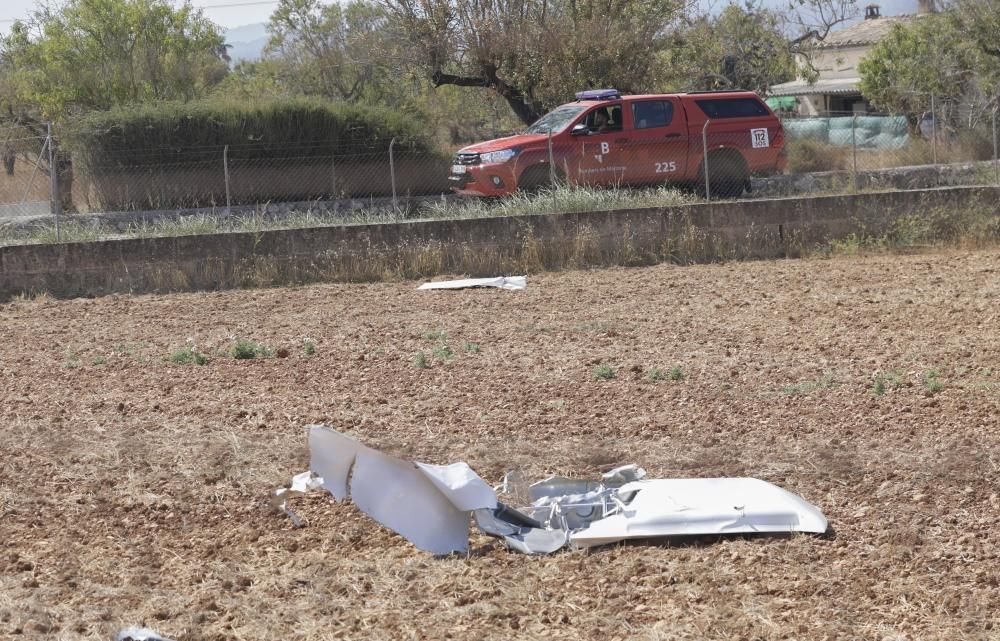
(598, 94)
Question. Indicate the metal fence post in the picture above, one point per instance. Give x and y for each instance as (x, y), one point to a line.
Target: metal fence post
(333, 176)
(225, 167)
(996, 158)
(704, 160)
(933, 130)
(392, 175)
(854, 149)
(552, 162)
(56, 204)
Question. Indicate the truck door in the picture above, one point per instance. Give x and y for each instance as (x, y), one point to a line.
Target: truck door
(659, 141)
(602, 147)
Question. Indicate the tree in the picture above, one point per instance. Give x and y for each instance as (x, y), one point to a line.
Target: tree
(96, 54)
(343, 52)
(535, 53)
(979, 20)
(929, 57)
(743, 47)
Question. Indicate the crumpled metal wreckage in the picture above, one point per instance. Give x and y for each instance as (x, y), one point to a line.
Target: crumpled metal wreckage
(430, 505)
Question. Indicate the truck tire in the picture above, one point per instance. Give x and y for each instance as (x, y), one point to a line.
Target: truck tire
(728, 175)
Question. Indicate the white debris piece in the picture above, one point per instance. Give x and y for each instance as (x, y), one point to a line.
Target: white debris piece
(135, 633)
(301, 484)
(427, 504)
(679, 507)
(500, 282)
(431, 504)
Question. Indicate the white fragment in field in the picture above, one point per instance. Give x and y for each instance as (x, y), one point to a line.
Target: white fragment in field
(135, 633)
(430, 505)
(301, 484)
(500, 282)
(427, 504)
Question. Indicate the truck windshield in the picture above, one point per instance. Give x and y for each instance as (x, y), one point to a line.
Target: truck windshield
(555, 120)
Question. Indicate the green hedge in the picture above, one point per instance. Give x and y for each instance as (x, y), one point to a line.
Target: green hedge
(170, 155)
(180, 132)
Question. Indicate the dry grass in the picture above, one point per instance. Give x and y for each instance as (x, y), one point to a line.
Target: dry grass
(136, 491)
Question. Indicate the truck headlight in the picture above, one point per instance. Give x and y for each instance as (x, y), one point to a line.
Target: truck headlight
(497, 156)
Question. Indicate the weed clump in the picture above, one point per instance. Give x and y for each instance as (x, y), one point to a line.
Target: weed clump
(187, 355)
(244, 349)
(444, 353)
(604, 372)
(675, 373)
(932, 381)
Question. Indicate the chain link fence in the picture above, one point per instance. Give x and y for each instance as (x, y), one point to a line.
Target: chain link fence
(948, 145)
(831, 153)
(25, 182)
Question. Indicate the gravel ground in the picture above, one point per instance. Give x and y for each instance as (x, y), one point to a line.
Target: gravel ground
(134, 490)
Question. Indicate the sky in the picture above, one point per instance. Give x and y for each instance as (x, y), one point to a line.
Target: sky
(236, 13)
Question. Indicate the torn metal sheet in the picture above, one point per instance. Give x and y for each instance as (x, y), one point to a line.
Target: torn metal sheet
(399, 496)
(427, 504)
(431, 505)
(463, 487)
(500, 282)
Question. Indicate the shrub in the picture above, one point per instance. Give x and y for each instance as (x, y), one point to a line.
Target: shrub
(811, 155)
(166, 155)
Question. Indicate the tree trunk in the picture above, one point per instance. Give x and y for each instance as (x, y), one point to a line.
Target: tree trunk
(527, 110)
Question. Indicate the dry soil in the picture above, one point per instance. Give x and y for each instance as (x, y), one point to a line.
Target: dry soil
(135, 490)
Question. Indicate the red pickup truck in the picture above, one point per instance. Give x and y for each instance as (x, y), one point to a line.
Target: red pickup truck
(607, 139)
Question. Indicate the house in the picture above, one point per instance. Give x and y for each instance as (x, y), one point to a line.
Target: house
(836, 59)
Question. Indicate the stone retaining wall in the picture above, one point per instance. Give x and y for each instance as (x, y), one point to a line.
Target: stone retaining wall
(477, 247)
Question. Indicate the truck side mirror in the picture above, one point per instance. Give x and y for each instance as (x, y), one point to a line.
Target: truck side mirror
(579, 130)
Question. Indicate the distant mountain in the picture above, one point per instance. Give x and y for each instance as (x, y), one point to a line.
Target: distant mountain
(246, 42)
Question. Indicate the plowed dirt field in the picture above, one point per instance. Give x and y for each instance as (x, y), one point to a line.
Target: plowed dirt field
(134, 490)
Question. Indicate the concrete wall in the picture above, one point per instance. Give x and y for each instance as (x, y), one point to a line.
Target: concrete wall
(478, 247)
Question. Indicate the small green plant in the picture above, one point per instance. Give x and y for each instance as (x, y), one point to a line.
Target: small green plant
(675, 373)
(72, 361)
(188, 355)
(932, 381)
(470, 347)
(420, 361)
(243, 349)
(309, 347)
(444, 353)
(97, 361)
(436, 335)
(826, 382)
(604, 372)
(886, 381)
